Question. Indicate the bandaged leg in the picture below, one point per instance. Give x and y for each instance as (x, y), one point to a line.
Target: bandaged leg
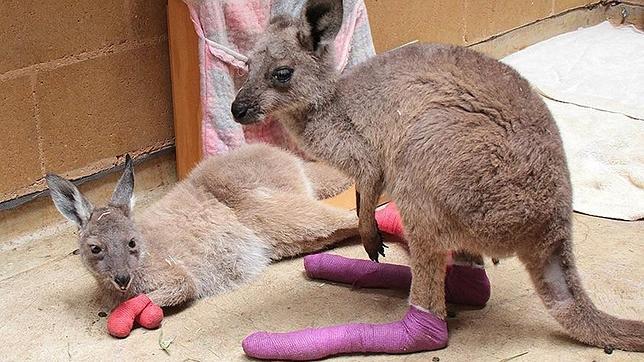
(464, 284)
(418, 331)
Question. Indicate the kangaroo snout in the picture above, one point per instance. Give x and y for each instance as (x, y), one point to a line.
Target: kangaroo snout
(239, 109)
(122, 281)
(246, 108)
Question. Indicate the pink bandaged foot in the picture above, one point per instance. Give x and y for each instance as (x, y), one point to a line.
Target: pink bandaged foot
(417, 331)
(389, 220)
(150, 317)
(140, 309)
(466, 284)
(463, 284)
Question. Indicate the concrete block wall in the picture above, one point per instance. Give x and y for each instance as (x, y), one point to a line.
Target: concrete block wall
(82, 82)
(462, 22)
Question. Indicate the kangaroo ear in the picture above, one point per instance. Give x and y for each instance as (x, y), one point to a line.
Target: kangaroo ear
(322, 19)
(68, 200)
(124, 191)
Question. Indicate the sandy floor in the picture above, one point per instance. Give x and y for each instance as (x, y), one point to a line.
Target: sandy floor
(49, 310)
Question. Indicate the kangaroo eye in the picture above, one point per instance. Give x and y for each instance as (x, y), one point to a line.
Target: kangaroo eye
(95, 249)
(283, 74)
(132, 243)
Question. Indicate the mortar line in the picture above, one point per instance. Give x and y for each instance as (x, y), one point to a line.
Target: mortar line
(140, 157)
(36, 108)
(81, 57)
(552, 16)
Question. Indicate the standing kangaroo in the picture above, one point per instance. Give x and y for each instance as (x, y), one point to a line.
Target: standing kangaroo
(468, 151)
(215, 230)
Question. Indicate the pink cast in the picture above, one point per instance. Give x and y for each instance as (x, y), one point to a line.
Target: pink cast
(418, 330)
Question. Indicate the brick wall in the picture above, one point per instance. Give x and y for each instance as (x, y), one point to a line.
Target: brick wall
(460, 22)
(81, 83)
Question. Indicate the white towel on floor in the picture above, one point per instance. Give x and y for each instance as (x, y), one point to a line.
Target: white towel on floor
(594, 78)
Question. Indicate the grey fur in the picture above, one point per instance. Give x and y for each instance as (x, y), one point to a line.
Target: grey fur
(68, 200)
(460, 141)
(213, 231)
(124, 191)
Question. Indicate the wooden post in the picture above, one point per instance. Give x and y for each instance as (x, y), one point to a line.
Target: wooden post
(184, 64)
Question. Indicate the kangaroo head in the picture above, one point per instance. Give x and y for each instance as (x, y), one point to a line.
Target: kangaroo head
(291, 65)
(109, 243)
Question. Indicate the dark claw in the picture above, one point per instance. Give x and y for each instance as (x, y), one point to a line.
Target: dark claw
(381, 249)
(374, 257)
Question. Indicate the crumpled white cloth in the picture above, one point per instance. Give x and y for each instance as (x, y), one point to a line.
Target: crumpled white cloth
(592, 80)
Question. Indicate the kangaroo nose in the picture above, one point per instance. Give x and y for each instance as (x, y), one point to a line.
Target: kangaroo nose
(238, 109)
(122, 280)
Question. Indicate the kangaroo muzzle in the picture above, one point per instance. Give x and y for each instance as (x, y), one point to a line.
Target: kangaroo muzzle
(122, 281)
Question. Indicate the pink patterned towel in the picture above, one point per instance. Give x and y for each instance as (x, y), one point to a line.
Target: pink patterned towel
(227, 29)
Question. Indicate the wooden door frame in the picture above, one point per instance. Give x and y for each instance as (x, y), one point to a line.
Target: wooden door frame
(186, 87)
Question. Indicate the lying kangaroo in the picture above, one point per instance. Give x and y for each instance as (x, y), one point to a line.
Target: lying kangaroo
(213, 231)
(460, 141)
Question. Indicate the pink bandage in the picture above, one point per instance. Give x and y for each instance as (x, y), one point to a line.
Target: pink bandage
(150, 317)
(468, 285)
(389, 220)
(463, 284)
(357, 272)
(417, 331)
(139, 308)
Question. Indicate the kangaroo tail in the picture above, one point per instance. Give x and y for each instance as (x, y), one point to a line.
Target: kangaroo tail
(559, 286)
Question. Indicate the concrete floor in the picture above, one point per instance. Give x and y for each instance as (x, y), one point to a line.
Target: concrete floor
(49, 310)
